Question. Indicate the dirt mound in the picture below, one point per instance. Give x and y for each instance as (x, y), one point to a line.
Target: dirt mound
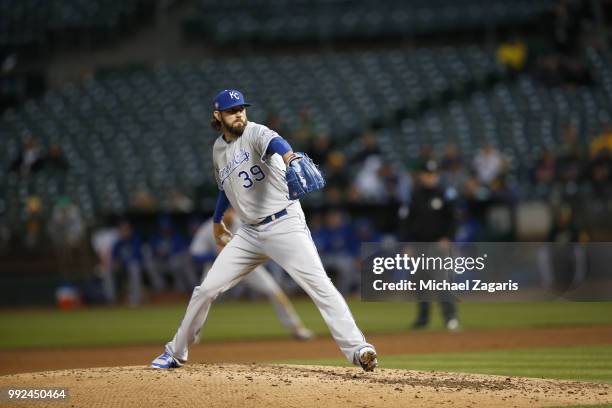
(230, 385)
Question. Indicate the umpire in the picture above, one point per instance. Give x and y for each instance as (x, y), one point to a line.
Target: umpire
(431, 218)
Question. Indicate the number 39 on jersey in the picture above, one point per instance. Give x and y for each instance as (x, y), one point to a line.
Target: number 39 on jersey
(255, 173)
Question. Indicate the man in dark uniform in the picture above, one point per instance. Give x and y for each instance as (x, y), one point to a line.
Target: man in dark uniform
(431, 218)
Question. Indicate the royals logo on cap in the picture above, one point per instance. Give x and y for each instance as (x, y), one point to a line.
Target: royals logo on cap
(228, 99)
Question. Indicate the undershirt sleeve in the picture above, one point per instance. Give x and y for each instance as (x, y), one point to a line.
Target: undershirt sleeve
(222, 205)
(278, 145)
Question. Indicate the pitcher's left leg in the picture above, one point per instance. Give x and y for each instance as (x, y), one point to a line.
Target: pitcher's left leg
(289, 244)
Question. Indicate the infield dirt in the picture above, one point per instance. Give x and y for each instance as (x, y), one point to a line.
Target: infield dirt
(230, 385)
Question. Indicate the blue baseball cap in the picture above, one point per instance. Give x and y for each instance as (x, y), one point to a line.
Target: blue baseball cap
(228, 99)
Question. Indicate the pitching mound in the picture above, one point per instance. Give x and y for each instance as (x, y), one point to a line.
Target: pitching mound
(300, 386)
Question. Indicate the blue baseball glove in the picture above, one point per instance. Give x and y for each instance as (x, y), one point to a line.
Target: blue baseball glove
(303, 176)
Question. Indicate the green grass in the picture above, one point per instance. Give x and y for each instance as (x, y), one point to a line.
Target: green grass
(255, 320)
(584, 363)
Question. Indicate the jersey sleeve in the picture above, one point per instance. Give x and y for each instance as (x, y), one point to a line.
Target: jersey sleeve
(261, 140)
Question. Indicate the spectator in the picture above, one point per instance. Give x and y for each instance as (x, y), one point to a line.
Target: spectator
(8, 63)
(570, 160)
(179, 202)
(570, 144)
(33, 233)
(488, 163)
(304, 134)
(55, 161)
(501, 192)
(426, 154)
(379, 182)
(337, 178)
(320, 148)
(544, 171)
(143, 200)
(168, 254)
(512, 54)
(30, 158)
(602, 142)
(396, 184)
(555, 70)
(450, 159)
(368, 184)
(66, 226)
(368, 147)
(600, 175)
(274, 122)
(568, 18)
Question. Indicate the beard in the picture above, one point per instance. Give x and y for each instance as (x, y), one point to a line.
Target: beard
(236, 129)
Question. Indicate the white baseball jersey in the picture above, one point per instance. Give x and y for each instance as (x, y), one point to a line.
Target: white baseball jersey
(255, 185)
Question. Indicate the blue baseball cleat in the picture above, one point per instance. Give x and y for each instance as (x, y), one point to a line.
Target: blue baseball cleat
(166, 361)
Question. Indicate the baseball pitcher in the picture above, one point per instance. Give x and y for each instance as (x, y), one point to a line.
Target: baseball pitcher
(260, 176)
